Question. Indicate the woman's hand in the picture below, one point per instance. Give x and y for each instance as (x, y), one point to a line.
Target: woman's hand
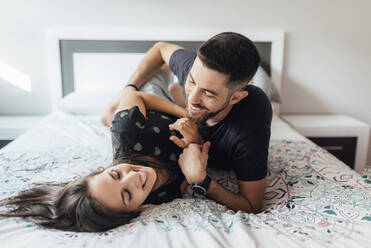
(107, 116)
(188, 130)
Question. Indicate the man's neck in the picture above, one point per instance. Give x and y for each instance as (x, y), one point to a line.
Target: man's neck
(219, 117)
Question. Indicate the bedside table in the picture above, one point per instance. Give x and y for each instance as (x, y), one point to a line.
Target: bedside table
(343, 136)
(13, 126)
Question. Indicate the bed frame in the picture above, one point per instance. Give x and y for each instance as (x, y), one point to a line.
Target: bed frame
(64, 44)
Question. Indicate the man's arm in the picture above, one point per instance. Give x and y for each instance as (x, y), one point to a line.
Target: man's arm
(249, 199)
(152, 61)
(155, 57)
(193, 162)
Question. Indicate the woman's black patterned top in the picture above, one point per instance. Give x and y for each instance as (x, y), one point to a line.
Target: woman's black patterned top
(132, 133)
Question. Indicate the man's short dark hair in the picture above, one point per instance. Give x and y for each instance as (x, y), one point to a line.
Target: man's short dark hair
(232, 54)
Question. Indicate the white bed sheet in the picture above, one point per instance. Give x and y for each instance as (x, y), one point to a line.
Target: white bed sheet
(84, 129)
(312, 199)
(281, 130)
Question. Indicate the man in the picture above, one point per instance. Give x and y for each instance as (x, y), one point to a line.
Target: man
(224, 109)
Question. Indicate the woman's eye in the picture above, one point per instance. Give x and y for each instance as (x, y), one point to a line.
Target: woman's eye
(117, 174)
(129, 194)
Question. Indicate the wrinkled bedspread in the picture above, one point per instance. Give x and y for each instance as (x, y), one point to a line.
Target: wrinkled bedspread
(312, 199)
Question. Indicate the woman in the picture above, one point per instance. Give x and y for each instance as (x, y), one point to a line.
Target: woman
(144, 170)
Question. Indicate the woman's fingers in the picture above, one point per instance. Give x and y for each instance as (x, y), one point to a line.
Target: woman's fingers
(178, 125)
(106, 122)
(178, 142)
(188, 130)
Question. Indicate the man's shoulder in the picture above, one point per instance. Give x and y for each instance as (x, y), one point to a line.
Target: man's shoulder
(255, 97)
(183, 53)
(255, 107)
(182, 56)
(251, 115)
(180, 63)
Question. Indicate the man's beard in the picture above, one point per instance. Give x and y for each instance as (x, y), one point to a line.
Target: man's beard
(202, 119)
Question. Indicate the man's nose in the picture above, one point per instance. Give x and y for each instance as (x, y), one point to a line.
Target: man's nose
(195, 96)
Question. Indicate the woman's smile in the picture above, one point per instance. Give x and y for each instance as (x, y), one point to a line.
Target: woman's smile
(143, 177)
(124, 187)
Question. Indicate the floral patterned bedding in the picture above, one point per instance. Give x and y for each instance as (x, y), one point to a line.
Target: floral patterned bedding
(312, 199)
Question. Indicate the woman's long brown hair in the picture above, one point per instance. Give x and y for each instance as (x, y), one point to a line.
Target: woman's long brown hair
(69, 206)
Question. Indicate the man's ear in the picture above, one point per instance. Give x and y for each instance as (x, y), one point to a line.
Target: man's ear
(238, 96)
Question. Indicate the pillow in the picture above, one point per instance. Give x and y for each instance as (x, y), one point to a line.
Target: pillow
(87, 103)
(263, 81)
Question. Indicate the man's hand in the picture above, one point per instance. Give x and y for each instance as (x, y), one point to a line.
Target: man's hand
(193, 162)
(189, 131)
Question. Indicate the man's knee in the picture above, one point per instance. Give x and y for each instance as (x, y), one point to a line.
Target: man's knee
(174, 88)
(176, 92)
(166, 69)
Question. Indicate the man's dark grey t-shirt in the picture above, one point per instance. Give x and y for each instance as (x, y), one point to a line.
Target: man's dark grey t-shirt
(241, 140)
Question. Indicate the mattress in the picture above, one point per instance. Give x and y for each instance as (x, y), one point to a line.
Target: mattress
(312, 198)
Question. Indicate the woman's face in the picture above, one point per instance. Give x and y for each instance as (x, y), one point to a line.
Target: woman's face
(123, 187)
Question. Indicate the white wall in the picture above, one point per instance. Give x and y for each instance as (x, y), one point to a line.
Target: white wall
(327, 55)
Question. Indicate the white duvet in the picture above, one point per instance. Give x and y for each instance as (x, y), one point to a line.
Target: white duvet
(312, 199)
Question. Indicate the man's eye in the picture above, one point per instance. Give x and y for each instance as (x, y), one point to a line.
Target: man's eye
(208, 94)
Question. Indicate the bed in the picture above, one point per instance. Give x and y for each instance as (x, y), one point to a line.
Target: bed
(312, 198)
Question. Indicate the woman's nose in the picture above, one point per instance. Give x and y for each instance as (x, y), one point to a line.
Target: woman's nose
(132, 178)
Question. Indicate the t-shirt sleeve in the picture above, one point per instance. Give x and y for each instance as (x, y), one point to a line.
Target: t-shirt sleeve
(251, 157)
(127, 120)
(181, 62)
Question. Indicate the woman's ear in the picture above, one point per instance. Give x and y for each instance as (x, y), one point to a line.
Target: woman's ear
(238, 96)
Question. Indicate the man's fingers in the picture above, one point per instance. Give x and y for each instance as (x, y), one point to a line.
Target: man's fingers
(180, 160)
(178, 141)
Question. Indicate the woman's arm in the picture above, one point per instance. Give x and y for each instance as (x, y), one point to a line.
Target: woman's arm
(159, 104)
(108, 114)
(128, 98)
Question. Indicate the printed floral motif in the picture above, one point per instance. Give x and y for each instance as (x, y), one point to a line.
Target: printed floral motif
(309, 196)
